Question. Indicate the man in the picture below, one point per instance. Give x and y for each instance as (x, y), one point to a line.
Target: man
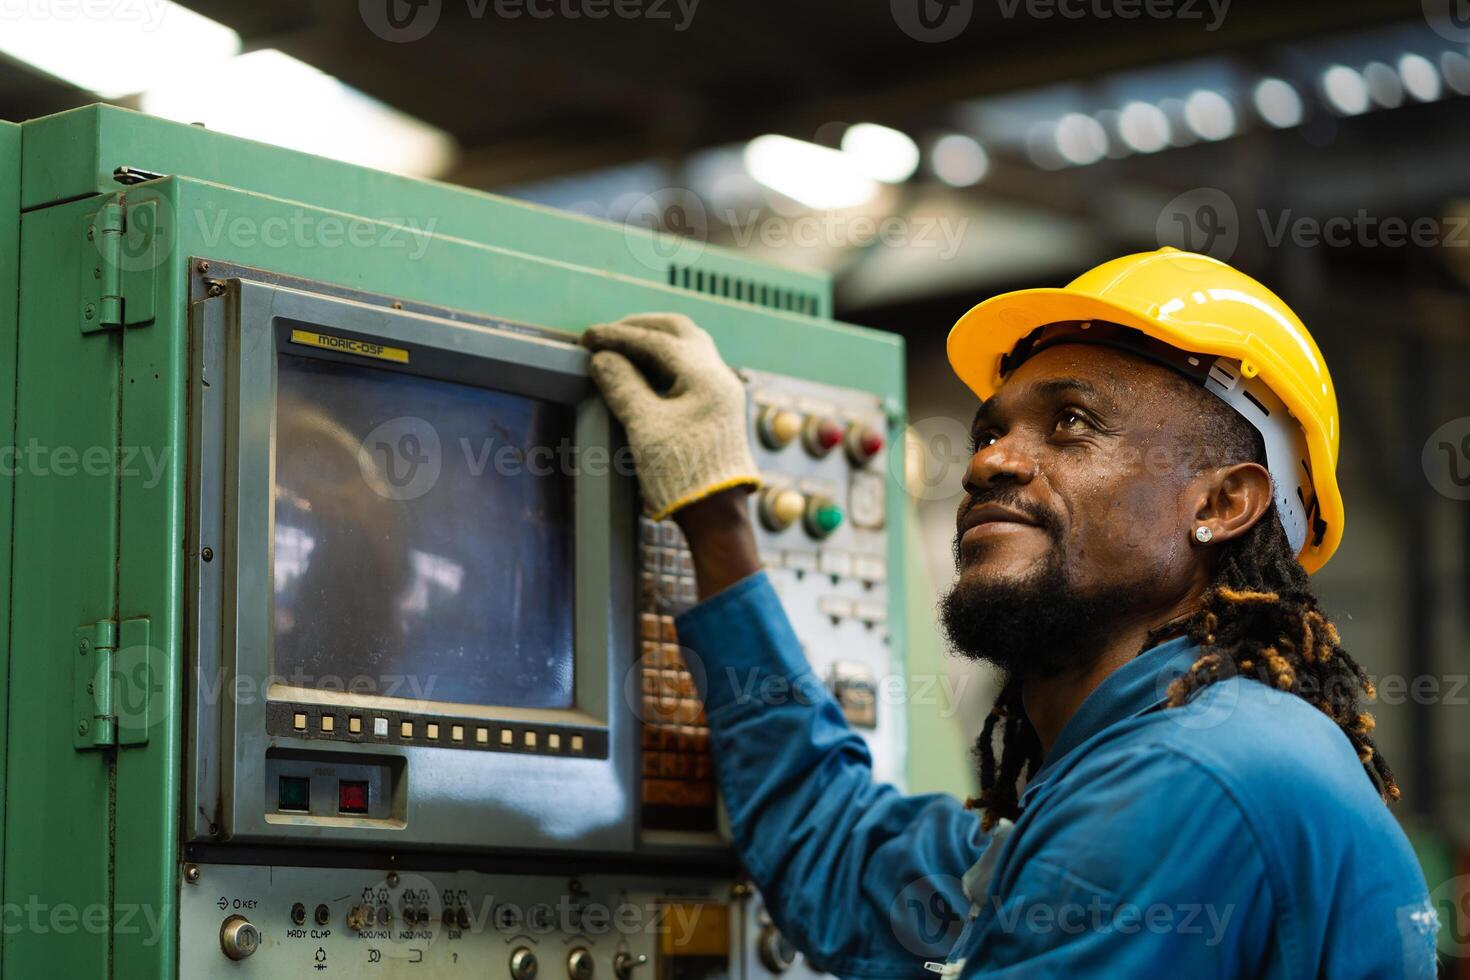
(1187, 783)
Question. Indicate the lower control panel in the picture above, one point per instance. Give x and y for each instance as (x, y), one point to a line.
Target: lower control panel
(284, 922)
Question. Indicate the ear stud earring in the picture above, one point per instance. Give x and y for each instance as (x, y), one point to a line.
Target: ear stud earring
(1203, 534)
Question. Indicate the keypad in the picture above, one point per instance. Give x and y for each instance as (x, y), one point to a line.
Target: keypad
(678, 785)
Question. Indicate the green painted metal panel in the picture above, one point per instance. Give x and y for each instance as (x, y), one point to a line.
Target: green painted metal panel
(9, 303)
(82, 147)
(58, 817)
(153, 383)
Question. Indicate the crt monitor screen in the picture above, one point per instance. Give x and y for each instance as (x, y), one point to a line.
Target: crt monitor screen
(422, 544)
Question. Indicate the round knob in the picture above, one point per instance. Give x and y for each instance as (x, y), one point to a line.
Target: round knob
(780, 507)
(238, 937)
(863, 443)
(580, 965)
(777, 427)
(820, 435)
(822, 517)
(523, 964)
(775, 950)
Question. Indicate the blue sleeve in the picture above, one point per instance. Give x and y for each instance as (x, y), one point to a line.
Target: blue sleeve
(863, 880)
(1152, 871)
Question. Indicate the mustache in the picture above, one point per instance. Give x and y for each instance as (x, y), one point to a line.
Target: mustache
(1012, 498)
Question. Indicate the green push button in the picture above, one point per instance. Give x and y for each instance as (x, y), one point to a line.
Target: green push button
(295, 793)
(823, 518)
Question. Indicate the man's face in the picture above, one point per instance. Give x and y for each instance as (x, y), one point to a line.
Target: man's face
(1074, 510)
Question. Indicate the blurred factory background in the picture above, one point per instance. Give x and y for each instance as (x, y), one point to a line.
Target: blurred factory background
(929, 153)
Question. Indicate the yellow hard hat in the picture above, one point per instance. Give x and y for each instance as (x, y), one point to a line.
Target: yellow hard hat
(1258, 357)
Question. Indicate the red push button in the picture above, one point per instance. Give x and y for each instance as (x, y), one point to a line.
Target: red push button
(821, 436)
(352, 796)
(863, 443)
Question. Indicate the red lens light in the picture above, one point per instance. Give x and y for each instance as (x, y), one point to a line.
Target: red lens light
(352, 796)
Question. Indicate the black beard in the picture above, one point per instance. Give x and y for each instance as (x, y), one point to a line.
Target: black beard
(1038, 627)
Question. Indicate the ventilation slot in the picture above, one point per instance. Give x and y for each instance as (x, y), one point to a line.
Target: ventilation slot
(742, 290)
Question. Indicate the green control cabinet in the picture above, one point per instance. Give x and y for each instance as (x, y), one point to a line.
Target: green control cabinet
(121, 238)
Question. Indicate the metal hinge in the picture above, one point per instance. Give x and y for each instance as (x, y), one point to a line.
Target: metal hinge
(122, 257)
(115, 672)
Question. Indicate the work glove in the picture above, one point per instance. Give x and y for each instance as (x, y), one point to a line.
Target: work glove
(683, 407)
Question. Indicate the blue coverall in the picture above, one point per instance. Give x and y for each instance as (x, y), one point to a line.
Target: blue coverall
(1234, 836)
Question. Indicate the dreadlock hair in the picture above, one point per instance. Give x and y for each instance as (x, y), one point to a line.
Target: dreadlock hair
(1258, 618)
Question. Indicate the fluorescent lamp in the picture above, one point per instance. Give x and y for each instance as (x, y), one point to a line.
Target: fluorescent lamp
(274, 98)
(816, 176)
(881, 153)
(115, 49)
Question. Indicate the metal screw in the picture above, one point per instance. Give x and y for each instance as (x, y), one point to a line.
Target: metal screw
(216, 289)
(393, 879)
(91, 233)
(89, 311)
(191, 873)
(81, 728)
(203, 267)
(207, 554)
(96, 273)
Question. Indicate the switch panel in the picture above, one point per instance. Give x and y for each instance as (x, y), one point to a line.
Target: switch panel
(822, 529)
(285, 922)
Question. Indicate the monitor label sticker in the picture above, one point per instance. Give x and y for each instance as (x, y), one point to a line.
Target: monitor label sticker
(362, 348)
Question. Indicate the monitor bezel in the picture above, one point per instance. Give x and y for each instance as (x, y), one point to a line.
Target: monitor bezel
(238, 343)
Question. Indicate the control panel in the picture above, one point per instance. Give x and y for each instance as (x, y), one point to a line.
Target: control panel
(821, 522)
(290, 922)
